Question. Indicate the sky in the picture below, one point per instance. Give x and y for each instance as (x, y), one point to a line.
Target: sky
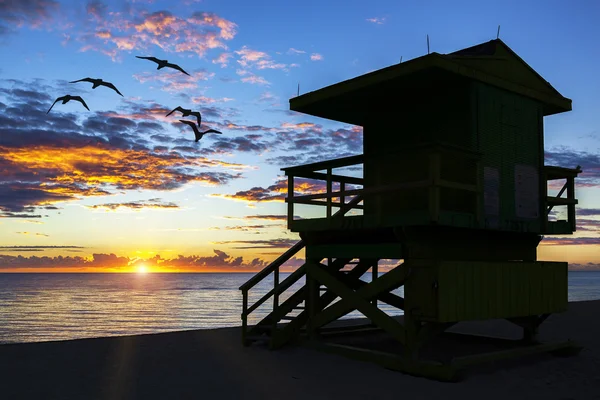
(122, 186)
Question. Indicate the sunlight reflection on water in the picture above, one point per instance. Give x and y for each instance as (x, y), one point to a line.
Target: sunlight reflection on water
(44, 307)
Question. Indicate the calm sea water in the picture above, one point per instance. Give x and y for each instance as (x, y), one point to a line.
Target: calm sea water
(44, 307)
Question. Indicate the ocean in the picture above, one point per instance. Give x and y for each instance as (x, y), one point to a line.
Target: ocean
(48, 307)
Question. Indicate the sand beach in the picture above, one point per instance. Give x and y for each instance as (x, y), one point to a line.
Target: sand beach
(212, 364)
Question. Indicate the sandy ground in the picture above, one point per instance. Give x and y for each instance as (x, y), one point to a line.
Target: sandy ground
(212, 364)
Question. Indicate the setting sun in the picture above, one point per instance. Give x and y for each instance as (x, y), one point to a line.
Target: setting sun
(142, 269)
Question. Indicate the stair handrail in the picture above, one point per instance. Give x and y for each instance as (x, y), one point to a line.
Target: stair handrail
(293, 250)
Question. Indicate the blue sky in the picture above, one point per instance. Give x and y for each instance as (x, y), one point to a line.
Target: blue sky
(147, 190)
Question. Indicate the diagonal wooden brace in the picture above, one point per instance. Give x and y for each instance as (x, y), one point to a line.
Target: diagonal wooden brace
(360, 300)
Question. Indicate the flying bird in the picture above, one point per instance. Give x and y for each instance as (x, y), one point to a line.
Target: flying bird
(66, 99)
(164, 63)
(98, 82)
(196, 131)
(186, 112)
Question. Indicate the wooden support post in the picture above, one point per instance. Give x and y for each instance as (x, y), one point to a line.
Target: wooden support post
(374, 275)
(312, 297)
(290, 201)
(244, 317)
(434, 189)
(329, 192)
(571, 207)
(275, 284)
(342, 195)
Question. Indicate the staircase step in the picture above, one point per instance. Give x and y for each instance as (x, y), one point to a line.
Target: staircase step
(299, 308)
(288, 317)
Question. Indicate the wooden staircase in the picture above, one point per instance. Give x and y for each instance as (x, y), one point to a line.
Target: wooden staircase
(270, 328)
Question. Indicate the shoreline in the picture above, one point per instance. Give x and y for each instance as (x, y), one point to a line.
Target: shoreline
(212, 363)
(343, 321)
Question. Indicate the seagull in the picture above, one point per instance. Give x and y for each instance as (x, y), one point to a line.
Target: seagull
(186, 112)
(98, 82)
(66, 99)
(164, 63)
(196, 131)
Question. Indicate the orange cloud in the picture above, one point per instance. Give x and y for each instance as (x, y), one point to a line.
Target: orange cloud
(89, 170)
(197, 34)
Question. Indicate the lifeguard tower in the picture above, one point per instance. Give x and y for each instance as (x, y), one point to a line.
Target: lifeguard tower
(454, 184)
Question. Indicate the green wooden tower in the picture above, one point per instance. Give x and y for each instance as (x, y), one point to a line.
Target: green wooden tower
(454, 184)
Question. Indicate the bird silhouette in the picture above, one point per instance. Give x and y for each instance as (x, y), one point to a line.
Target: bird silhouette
(65, 99)
(197, 132)
(186, 113)
(164, 63)
(98, 82)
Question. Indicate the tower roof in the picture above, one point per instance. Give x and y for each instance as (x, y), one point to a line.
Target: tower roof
(492, 62)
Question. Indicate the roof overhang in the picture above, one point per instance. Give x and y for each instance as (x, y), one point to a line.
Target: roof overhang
(350, 101)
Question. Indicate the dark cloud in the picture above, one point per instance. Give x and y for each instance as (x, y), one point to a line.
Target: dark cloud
(588, 212)
(50, 158)
(569, 158)
(266, 217)
(565, 241)
(136, 205)
(220, 260)
(584, 267)
(16, 13)
(261, 244)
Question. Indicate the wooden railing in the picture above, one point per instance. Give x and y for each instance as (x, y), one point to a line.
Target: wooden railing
(310, 171)
(331, 199)
(553, 173)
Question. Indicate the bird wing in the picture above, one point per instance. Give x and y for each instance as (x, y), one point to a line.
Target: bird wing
(110, 85)
(78, 98)
(156, 60)
(194, 127)
(198, 116)
(213, 131)
(177, 67)
(59, 99)
(84, 80)
(178, 108)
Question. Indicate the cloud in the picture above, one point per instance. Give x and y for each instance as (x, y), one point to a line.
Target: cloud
(101, 261)
(210, 100)
(175, 81)
(276, 192)
(136, 205)
(295, 51)
(32, 13)
(118, 32)
(316, 57)
(569, 158)
(378, 21)
(33, 233)
(591, 212)
(261, 244)
(567, 241)
(584, 267)
(266, 217)
(47, 158)
(246, 228)
(222, 59)
(249, 77)
(249, 58)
